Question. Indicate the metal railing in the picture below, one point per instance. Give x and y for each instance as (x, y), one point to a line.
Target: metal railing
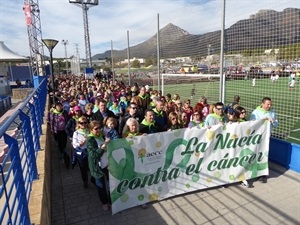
(5, 104)
(19, 146)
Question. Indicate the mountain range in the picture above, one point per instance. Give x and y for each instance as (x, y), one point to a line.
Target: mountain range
(265, 29)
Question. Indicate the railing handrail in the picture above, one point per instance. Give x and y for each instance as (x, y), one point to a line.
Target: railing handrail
(18, 160)
(8, 122)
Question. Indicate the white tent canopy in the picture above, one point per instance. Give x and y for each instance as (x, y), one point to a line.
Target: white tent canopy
(7, 55)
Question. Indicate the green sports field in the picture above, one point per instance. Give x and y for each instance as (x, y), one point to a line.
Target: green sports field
(286, 103)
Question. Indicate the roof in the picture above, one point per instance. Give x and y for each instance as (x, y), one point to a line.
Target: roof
(7, 55)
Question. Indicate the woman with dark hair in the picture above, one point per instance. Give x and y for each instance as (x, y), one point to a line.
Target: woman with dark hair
(98, 162)
(240, 115)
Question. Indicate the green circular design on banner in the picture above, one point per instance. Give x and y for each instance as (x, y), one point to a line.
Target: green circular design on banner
(187, 185)
(195, 177)
(141, 197)
(124, 198)
(130, 142)
(217, 174)
(231, 177)
(160, 189)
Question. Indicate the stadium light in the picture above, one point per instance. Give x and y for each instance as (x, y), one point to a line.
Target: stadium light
(50, 44)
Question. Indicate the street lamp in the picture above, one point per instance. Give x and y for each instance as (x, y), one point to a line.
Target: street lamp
(65, 43)
(50, 44)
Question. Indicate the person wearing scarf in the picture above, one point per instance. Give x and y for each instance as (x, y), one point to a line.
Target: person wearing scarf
(161, 117)
(98, 162)
(71, 125)
(145, 98)
(265, 112)
(131, 128)
(148, 125)
(58, 119)
(80, 148)
(218, 117)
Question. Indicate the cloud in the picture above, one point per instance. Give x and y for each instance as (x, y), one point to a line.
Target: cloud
(111, 19)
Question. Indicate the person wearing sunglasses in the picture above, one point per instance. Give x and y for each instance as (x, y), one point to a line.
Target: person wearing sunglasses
(173, 121)
(133, 112)
(98, 161)
(196, 121)
(80, 148)
(240, 115)
(218, 117)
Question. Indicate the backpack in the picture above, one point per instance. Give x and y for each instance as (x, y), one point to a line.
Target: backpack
(230, 108)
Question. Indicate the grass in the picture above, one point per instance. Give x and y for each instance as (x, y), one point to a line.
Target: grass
(286, 103)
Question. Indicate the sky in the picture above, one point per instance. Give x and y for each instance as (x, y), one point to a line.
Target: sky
(111, 19)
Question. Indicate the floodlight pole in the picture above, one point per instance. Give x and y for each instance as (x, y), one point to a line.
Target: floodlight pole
(65, 43)
(88, 53)
(50, 44)
(158, 54)
(128, 58)
(85, 5)
(222, 75)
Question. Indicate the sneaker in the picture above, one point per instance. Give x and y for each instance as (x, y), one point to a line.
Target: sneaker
(144, 206)
(105, 207)
(262, 179)
(245, 184)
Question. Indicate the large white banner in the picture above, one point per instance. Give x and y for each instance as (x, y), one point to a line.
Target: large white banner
(157, 166)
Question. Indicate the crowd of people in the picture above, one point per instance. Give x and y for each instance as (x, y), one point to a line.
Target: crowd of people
(90, 113)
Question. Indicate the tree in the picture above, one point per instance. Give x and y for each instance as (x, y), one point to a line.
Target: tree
(148, 62)
(136, 64)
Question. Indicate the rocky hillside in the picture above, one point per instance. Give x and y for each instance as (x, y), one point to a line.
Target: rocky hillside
(266, 29)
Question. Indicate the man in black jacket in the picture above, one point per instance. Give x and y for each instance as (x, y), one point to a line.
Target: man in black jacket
(132, 113)
(102, 112)
(148, 125)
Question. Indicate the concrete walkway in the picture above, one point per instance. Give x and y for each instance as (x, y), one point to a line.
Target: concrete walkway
(276, 203)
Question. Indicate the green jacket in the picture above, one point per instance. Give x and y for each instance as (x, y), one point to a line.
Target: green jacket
(94, 155)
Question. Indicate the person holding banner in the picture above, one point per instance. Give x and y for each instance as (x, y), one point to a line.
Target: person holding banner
(196, 120)
(240, 114)
(148, 125)
(98, 162)
(218, 117)
(131, 128)
(265, 112)
(173, 123)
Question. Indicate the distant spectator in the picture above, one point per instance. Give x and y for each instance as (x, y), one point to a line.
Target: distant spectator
(18, 82)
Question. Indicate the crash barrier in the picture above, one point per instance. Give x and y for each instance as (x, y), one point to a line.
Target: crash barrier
(285, 154)
(20, 143)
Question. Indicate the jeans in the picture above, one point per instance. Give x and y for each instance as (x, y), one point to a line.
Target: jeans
(103, 187)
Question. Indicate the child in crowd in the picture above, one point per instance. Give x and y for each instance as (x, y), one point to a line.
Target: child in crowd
(109, 129)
